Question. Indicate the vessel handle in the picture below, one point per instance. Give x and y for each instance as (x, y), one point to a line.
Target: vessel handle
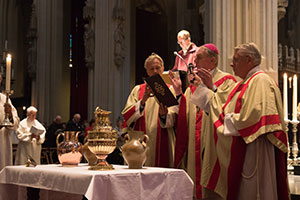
(76, 136)
(57, 137)
(126, 137)
(144, 141)
(146, 138)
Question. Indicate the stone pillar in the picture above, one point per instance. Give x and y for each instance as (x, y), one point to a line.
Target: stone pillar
(111, 80)
(10, 28)
(51, 89)
(89, 43)
(3, 23)
(232, 22)
(4, 5)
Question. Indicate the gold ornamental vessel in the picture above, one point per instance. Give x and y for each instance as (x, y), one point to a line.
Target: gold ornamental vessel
(102, 140)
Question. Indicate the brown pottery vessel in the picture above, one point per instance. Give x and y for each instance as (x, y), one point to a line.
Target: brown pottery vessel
(135, 149)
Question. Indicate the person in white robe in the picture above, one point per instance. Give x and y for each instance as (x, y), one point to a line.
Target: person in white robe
(6, 156)
(31, 134)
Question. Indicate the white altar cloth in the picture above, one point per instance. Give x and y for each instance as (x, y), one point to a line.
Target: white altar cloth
(294, 183)
(148, 183)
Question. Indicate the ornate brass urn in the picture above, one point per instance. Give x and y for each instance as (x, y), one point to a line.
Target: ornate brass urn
(102, 140)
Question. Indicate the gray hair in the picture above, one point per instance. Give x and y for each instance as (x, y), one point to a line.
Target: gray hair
(32, 109)
(210, 54)
(151, 58)
(251, 50)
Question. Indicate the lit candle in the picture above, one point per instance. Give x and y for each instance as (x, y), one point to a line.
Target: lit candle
(8, 69)
(290, 82)
(295, 98)
(285, 97)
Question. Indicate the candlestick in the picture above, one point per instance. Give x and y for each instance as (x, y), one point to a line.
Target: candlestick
(295, 149)
(285, 97)
(8, 69)
(289, 154)
(295, 98)
(290, 82)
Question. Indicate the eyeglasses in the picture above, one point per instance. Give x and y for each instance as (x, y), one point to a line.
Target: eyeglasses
(181, 41)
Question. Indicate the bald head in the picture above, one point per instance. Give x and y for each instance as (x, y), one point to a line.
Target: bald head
(58, 119)
(76, 118)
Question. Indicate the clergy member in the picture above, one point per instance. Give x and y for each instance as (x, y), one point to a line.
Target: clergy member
(187, 53)
(5, 133)
(143, 113)
(245, 154)
(192, 122)
(31, 134)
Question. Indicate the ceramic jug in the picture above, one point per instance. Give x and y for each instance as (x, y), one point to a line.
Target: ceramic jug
(135, 149)
(69, 150)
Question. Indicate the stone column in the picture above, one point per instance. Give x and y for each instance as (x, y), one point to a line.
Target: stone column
(89, 44)
(3, 23)
(51, 89)
(111, 80)
(232, 22)
(4, 5)
(10, 28)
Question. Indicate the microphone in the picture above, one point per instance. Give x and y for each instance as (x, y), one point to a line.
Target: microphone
(191, 68)
(179, 56)
(190, 71)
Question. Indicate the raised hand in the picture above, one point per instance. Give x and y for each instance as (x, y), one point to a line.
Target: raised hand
(194, 79)
(176, 83)
(206, 77)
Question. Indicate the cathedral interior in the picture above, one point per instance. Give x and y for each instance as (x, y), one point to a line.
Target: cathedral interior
(53, 46)
(72, 56)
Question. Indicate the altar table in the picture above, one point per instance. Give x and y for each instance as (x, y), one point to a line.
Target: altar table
(294, 184)
(149, 183)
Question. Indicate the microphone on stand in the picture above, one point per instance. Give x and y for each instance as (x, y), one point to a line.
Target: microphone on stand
(179, 56)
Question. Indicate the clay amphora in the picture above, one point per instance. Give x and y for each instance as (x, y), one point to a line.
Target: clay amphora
(135, 149)
(69, 150)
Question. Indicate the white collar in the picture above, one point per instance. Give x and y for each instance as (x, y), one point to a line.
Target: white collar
(186, 50)
(253, 71)
(212, 71)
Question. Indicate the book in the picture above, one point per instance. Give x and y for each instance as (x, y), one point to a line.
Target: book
(166, 78)
(36, 131)
(161, 91)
